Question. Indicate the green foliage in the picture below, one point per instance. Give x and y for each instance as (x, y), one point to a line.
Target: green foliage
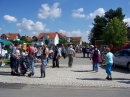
(101, 22)
(114, 13)
(85, 44)
(128, 33)
(62, 41)
(98, 29)
(75, 42)
(35, 39)
(47, 41)
(30, 41)
(115, 33)
(23, 38)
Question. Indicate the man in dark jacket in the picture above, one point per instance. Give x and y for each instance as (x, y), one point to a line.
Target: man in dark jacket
(84, 51)
(55, 57)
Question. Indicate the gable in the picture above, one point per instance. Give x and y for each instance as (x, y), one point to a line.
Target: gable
(77, 38)
(50, 34)
(11, 36)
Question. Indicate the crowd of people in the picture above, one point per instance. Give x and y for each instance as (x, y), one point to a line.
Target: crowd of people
(54, 53)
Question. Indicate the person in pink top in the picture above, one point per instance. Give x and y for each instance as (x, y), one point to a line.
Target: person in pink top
(95, 56)
(31, 56)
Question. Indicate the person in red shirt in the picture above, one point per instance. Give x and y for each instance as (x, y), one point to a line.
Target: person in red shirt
(31, 57)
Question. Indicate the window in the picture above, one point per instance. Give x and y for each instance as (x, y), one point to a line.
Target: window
(126, 53)
(119, 53)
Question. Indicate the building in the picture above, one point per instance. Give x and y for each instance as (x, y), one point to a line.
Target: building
(28, 38)
(62, 36)
(53, 38)
(10, 36)
(76, 39)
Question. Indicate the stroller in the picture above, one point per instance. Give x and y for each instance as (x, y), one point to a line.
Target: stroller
(24, 65)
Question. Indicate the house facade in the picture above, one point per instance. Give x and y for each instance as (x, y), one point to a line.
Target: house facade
(77, 39)
(62, 36)
(51, 36)
(10, 36)
(28, 38)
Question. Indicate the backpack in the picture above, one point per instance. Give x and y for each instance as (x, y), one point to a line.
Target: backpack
(95, 54)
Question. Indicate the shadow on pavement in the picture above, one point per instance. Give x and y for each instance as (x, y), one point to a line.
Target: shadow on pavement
(121, 79)
(126, 82)
(117, 69)
(81, 57)
(90, 79)
(81, 70)
(4, 73)
(39, 66)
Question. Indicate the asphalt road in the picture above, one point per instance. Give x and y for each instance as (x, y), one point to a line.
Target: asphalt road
(23, 90)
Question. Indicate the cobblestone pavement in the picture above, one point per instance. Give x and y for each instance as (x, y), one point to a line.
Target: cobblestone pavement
(78, 75)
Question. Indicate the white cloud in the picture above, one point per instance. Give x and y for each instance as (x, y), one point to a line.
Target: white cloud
(99, 11)
(10, 18)
(34, 33)
(127, 20)
(0, 28)
(20, 30)
(26, 24)
(49, 12)
(90, 26)
(76, 33)
(77, 13)
(47, 30)
(38, 26)
(30, 25)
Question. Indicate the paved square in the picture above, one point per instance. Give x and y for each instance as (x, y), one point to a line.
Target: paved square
(80, 74)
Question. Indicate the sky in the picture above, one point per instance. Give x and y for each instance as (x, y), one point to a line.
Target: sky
(71, 17)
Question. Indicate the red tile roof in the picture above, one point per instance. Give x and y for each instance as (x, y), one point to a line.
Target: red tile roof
(63, 35)
(28, 38)
(50, 34)
(11, 36)
(77, 38)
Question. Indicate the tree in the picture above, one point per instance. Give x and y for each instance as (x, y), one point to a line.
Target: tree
(47, 41)
(75, 42)
(128, 33)
(98, 29)
(85, 43)
(62, 41)
(115, 33)
(101, 22)
(114, 13)
(23, 38)
(35, 38)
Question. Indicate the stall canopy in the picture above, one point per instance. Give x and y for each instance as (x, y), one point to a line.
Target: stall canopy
(6, 42)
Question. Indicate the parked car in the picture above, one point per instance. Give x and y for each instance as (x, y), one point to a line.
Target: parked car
(122, 58)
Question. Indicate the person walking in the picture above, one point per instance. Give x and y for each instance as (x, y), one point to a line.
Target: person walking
(87, 50)
(95, 56)
(47, 53)
(18, 60)
(31, 57)
(44, 62)
(55, 60)
(64, 52)
(13, 59)
(71, 54)
(84, 51)
(109, 62)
